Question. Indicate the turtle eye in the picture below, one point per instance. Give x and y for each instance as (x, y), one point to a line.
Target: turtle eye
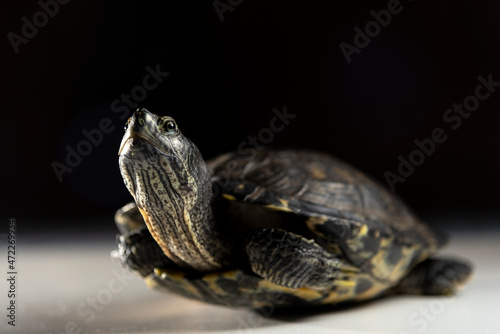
(126, 124)
(168, 126)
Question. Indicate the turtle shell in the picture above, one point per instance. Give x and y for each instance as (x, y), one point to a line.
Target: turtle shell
(322, 199)
(332, 195)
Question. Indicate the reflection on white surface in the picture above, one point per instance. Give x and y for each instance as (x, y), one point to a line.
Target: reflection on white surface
(77, 288)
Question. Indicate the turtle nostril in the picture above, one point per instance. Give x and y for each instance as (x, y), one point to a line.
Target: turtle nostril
(139, 112)
(139, 117)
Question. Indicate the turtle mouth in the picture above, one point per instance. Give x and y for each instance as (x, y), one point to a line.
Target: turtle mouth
(133, 142)
(136, 142)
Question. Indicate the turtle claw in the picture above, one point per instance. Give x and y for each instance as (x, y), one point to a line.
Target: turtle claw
(140, 253)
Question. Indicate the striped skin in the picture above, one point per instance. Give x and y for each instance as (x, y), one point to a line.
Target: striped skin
(169, 181)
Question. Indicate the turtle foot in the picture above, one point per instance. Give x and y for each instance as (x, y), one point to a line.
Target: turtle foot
(140, 253)
(436, 276)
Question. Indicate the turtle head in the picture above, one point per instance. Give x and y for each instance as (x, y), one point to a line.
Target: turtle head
(154, 142)
(170, 182)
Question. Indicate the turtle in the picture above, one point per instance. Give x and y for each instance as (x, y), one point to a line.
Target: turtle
(270, 227)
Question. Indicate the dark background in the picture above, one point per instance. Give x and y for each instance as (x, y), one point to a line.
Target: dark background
(225, 79)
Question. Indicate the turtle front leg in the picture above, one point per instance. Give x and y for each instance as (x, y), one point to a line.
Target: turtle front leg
(140, 253)
(435, 276)
(290, 260)
(137, 249)
(129, 218)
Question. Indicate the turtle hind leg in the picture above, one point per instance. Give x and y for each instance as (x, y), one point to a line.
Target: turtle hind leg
(290, 260)
(435, 276)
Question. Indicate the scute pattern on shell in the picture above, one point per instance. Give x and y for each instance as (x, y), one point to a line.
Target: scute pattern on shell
(319, 185)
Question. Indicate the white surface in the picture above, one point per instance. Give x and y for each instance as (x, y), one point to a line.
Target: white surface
(58, 284)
